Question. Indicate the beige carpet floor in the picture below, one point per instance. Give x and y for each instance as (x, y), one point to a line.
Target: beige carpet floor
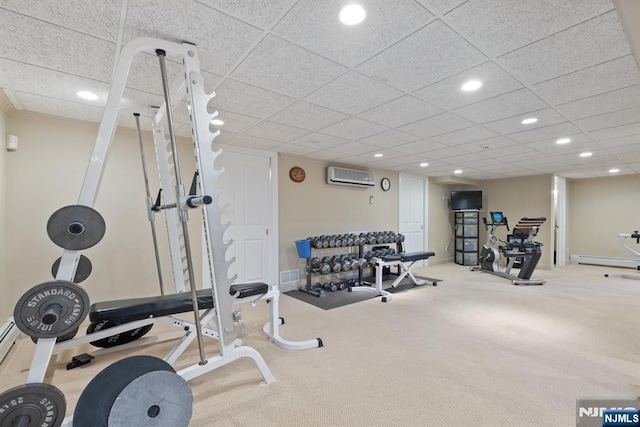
(473, 351)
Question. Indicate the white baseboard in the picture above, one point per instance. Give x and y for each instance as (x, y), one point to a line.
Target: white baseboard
(610, 262)
(8, 335)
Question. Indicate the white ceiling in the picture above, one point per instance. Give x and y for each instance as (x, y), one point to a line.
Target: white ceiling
(291, 78)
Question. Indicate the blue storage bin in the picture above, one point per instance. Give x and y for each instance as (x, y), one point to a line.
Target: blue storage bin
(304, 248)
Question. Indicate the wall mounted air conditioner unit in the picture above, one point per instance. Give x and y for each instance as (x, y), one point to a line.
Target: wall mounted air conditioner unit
(344, 176)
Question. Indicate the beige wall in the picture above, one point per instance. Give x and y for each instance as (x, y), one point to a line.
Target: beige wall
(600, 209)
(313, 207)
(517, 198)
(6, 304)
(47, 172)
(439, 227)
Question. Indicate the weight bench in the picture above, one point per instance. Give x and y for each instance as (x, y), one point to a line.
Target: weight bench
(401, 260)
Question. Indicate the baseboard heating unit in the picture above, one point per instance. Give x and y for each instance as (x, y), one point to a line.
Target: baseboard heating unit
(609, 262)
(8, 335)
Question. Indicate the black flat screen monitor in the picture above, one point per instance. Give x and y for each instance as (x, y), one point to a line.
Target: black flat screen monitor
(465, 200)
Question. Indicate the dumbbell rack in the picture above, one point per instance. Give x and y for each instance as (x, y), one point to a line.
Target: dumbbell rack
(363, 242)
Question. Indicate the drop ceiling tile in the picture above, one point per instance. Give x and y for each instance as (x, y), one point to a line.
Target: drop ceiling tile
(56, 107)
(100, 19)
(307, 116)
(538, 134)
(276, 131)
(431, 54)
(295, 149)
(628, 153)
(419, 146)
(352, 93)
(254, 142)
(447, 94)
(466, 135)
(225, 137)
(221, 39)
(500, 26)
(248, 100)
(486, 163)
(388, 138)
(590, 43)
(437, 125)
(49, 83)
(521, 158)
(388, 156)
(545, 117)
(598, 157)
(491, 143)
(579, 143)
(47, 45)
(600, 104)
(319, 141)
(439, 7)
(605, 77)
(444, 153)
(616, 132)
(499, 152)
(314, 25)
(618, 118)
(330, 156)
(354, 148)
(464, 160)
(574, 174)
(507, 105)
(400, 111)
(625, 140)
(353, 128)
(283, 67)
(261, 13)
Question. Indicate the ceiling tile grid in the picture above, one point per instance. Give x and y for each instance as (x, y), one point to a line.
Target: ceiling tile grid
(289, 77)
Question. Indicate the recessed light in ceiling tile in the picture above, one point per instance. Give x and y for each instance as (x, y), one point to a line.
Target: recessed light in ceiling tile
(424, 164)
(457, 171)
(217, 122)
(586, 154)
(529, 121)
(378, 155)
(563, 141)
(471, 85)
(614, 170)
(85, 94)
(352, 14)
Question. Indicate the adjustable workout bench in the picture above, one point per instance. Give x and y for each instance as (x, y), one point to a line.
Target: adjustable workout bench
(401, 261)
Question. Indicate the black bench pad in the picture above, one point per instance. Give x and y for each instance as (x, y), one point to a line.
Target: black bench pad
(410, 256)
(129, 310)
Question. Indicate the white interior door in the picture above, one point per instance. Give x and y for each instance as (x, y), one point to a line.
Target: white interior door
(560, 219)
(412, 210)
(251, 196)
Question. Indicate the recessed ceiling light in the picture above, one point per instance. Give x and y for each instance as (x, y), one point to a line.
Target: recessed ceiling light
(563, 141)
(529, 121)
(424, 164)
(217, 122)
(457, 171)
(471, 85)
(586, 154)
(614, 170)
(378, 155)
(85, 94)
(352, 14)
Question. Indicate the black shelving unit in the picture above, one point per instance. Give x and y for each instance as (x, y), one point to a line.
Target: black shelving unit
(466, 237)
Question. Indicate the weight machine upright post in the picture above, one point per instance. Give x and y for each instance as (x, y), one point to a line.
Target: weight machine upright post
(152, 218)
(179, 191)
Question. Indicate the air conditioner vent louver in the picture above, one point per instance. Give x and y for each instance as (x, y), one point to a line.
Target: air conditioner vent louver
(344, 176)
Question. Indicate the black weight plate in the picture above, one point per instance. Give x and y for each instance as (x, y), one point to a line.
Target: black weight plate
(51, 309)
(155, 399)
(83, 270)
(117, 339)
(97, 399)
(66, 337)
(43, 404)
(76, 227)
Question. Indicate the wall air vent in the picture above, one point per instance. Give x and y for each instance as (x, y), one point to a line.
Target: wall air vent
(344, 176)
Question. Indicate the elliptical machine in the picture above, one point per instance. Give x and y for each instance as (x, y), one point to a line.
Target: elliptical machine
(520, 246)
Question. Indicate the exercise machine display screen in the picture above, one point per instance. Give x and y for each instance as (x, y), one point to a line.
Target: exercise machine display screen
(497, 218)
